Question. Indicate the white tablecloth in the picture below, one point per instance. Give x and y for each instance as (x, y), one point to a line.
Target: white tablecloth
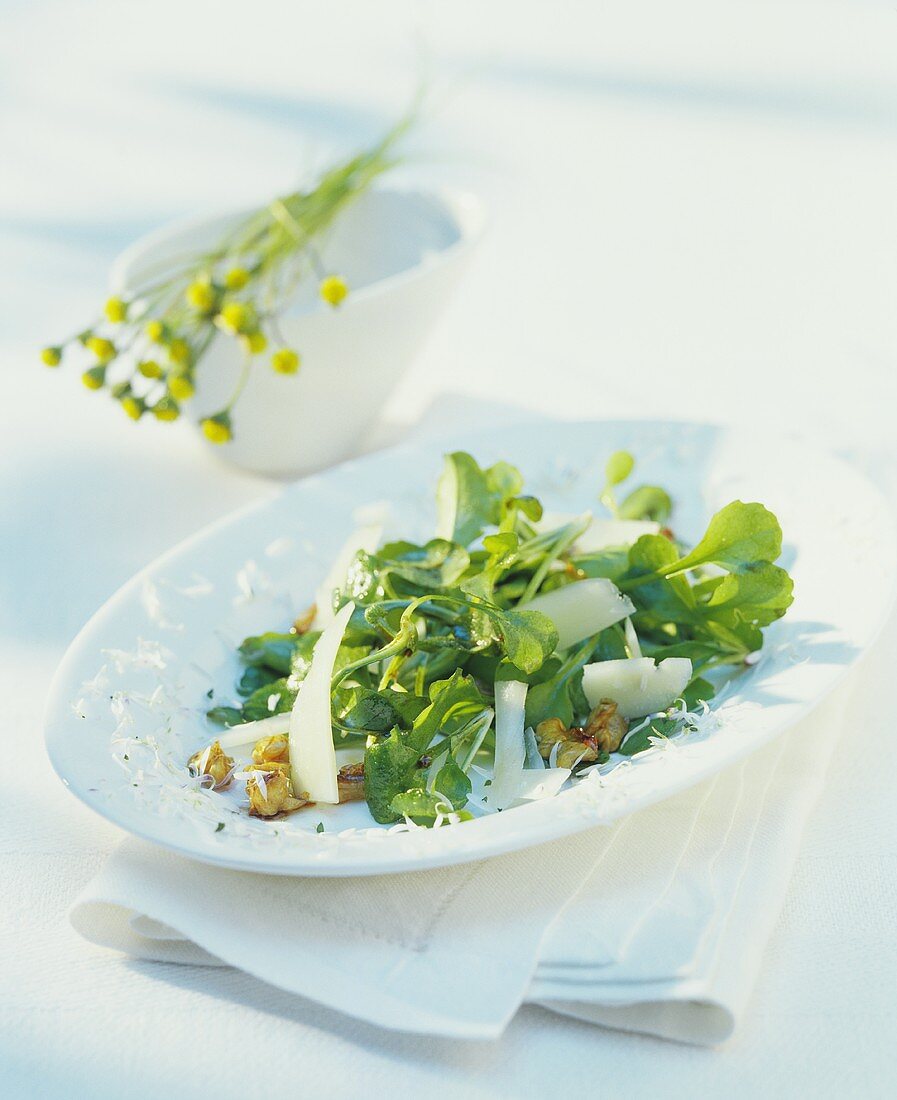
(693, 215)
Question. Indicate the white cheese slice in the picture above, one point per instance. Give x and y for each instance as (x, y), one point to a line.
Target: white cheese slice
(312, 755)
(582, 609)
(637, 685)
(510, 746)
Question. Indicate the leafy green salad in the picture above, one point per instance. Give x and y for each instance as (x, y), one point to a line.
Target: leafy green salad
(503, 659)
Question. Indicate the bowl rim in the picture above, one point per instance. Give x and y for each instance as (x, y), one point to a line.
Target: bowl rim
(464, 208)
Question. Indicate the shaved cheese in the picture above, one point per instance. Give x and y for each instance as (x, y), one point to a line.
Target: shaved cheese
(540, 783)
(632, 642)
(247, 733)
(510, 747)
(600, 533)
(637, 685)
(533, 759)
(365, 538)
(582, 609)
(312, 755)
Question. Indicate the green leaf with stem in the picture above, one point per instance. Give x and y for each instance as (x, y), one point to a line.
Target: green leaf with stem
(737, 535)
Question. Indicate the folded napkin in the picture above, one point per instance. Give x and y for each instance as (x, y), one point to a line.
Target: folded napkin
(656, 924)
(667, 933)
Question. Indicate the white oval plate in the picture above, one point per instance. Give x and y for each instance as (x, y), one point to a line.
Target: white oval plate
(127, 705)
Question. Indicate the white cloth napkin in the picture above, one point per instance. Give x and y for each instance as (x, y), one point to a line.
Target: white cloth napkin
(655, 925)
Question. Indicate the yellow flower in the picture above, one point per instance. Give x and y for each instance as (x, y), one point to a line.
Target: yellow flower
(166, 409)
(134, 407)
(155, 331)
(217, 428)
(285, 361)
(235, 317)
(103, 349)
(179, 351)
(52, 357)
(236, 278)
(149, 368)
(201, 296)
(255, 342)
(181, 387)
(94, 378)
(333, 289)
(116, 310)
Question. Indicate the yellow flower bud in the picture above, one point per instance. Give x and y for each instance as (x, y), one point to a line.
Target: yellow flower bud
(166, 409)
(155, 331)
(181, 387)
(255, 342)
(236, 278)
(116, 310)
(134, 407)
(217, 429)
(52, 357)
(149, 368)
(94, 377)
(201, 296)
(103, 349)
(333, 289)
(285, 361)
(235, 317)
(179, 352)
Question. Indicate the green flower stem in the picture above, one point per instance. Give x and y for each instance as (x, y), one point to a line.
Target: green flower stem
(241, 383)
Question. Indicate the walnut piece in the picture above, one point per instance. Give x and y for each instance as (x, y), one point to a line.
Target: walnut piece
(606, 726)
(272, 750)
(212, 761)
(303, 622)
(350, 781)
(603, 732)
(270, 791)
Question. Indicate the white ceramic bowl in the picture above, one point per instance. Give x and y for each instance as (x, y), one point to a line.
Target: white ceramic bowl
(402, 253)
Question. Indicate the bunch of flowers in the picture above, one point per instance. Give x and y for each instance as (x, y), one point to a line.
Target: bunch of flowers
(146, 348)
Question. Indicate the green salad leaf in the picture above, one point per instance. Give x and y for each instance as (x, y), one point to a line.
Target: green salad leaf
(470, 498)
(391, 767)
(453, 702)
(738, 535)
(646, 502)
(276, 651)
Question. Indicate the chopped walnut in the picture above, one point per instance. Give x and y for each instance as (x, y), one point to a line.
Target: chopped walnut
(603, 732)
(212, 761)
(350, 781)
(272, 750)
(303, 622)
(271, 792)
(606, 726)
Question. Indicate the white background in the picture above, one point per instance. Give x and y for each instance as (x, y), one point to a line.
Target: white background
(693, 215)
